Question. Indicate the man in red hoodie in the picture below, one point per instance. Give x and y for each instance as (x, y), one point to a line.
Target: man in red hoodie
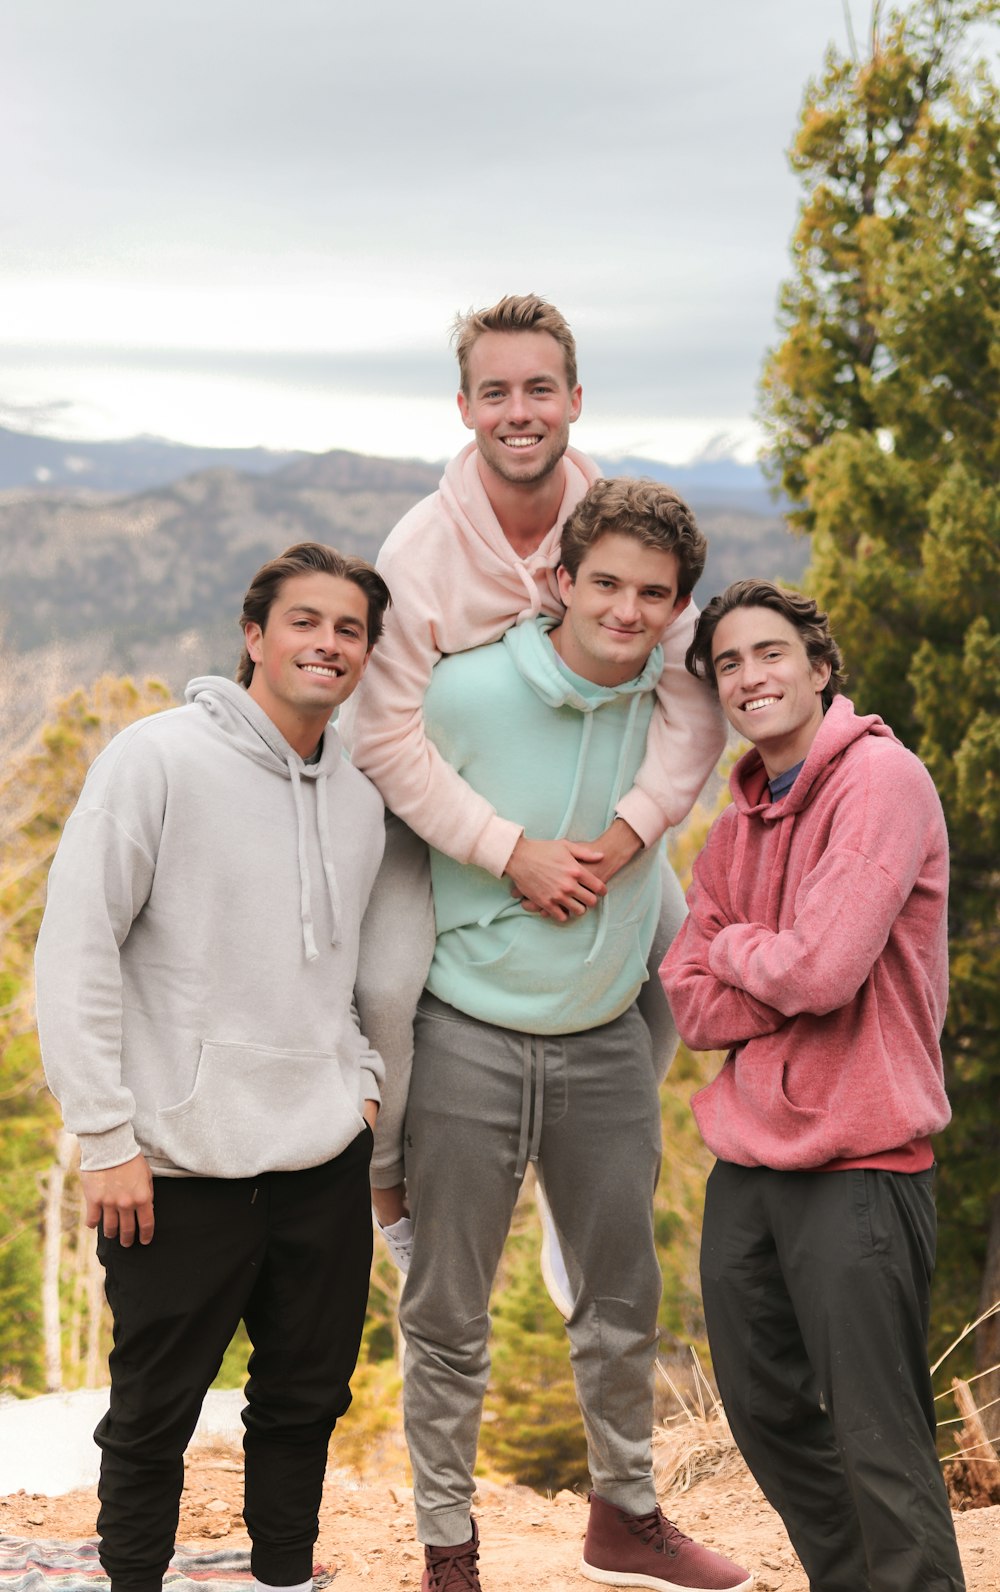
(816, 954)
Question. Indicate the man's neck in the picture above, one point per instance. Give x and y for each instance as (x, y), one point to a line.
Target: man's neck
(526, 513)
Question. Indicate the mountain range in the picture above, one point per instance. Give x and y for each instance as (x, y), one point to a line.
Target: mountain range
(133, 556)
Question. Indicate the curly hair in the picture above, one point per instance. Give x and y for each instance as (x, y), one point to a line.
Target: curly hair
(647, 510)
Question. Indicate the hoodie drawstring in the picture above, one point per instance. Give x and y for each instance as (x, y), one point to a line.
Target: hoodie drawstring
(305, 899)
(616, 791)
(305, 893)
(326, 852)
(532, 1101)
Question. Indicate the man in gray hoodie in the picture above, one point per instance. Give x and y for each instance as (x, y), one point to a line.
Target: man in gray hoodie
(195, 974)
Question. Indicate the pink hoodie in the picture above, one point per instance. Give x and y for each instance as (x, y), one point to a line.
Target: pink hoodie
(457, 583)
(816, 951)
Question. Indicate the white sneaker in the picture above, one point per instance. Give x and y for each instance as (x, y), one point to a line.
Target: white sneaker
(399, 1241)
(554, 1273)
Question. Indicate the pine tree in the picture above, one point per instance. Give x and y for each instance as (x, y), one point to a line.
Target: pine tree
(37, 793)
(882, 403)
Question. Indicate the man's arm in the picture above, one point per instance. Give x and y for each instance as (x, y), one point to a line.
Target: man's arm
(98, 883)
(710, 1013)
(847, 908)
(685, 740)
(384, 727)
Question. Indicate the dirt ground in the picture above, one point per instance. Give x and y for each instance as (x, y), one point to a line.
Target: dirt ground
(367, 1541)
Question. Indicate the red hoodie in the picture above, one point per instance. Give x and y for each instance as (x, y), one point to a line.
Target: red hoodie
(816, 952)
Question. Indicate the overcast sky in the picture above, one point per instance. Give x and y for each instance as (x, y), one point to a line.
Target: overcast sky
(238, 223)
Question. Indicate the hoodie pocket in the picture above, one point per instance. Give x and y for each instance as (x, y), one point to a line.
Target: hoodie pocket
(764, 1086)
(255, 1109)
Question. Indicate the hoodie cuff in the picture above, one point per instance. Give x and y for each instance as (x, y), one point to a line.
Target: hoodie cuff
(99, 1151)
(642, 814)
(493, 849)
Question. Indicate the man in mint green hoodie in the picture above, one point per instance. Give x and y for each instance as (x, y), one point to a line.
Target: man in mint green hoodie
(529, 1047)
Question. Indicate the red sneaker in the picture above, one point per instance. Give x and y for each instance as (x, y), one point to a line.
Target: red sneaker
(452, 1569)
(647, 1550)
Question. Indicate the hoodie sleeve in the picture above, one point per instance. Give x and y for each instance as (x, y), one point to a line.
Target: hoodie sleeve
(710, 1013)
(685, 741)
(385, 729)
(847, 905)
(99, 880)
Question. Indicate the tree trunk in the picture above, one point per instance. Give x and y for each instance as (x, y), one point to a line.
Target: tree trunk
(51, 1258)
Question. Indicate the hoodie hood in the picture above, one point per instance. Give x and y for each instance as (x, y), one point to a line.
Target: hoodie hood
(465, 500)
(537, 662)
(840, 728)
(253, 733)
(541, 667)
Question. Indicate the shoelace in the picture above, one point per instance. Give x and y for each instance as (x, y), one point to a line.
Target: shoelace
(657, 1532)
(453, 1568)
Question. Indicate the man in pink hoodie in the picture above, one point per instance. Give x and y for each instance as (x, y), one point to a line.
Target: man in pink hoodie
(815, 953)
(477, 556)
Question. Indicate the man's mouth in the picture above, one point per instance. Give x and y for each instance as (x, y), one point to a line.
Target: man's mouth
(759, 702)
(328, 671)
(520, 442)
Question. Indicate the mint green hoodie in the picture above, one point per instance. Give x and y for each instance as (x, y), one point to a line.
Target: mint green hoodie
(553, 752)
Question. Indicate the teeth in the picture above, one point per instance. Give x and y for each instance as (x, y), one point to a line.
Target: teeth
(758, 702)
(520, 442)
(321, 668)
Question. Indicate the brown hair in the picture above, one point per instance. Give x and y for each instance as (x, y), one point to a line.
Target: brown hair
(647, 510)
(302, 559)
(802, 612)
(516, 313)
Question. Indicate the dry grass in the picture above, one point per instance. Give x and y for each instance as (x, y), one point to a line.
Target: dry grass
(694, 1442)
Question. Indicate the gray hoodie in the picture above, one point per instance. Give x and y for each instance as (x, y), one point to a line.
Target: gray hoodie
(195, 965)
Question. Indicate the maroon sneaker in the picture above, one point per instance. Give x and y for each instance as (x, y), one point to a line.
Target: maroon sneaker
(646, 1550)
(452, 1569)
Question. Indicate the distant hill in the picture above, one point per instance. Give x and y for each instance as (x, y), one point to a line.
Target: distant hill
(151, 582)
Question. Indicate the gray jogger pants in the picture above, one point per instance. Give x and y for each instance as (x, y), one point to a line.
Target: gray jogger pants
(397, 943)
(483, 1101)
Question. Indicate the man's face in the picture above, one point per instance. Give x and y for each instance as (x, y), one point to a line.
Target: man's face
(519, 405)
(617, 609)
(769, 690)
(312, 651)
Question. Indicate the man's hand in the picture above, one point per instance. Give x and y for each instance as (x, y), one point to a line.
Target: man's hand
(619, 843)
(389, 1204)
(369, 1110)
(120, 1198)
(554, 876)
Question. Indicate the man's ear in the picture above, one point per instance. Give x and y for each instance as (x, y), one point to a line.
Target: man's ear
(465, 412)
(680, 603)
(565, 582)
(252, 634)
(575, 403)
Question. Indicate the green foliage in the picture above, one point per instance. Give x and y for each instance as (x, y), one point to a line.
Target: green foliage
(882, 404)
(37, 793)
(531, 1423)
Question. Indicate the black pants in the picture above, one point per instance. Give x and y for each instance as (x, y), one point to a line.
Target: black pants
(290, 1254)
(817, 1295)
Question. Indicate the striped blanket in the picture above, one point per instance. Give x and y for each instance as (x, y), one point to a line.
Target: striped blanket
(39, 1566)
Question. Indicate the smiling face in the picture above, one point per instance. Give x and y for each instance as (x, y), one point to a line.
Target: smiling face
(617, 608)
(519, 404)
(310, 654)
(769, 690)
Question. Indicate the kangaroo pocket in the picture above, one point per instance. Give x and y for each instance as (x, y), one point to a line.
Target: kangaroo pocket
(764, 1085)
(255, 1109)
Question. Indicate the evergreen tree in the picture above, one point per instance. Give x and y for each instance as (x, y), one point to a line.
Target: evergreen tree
(881, 403)
(37, 793)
